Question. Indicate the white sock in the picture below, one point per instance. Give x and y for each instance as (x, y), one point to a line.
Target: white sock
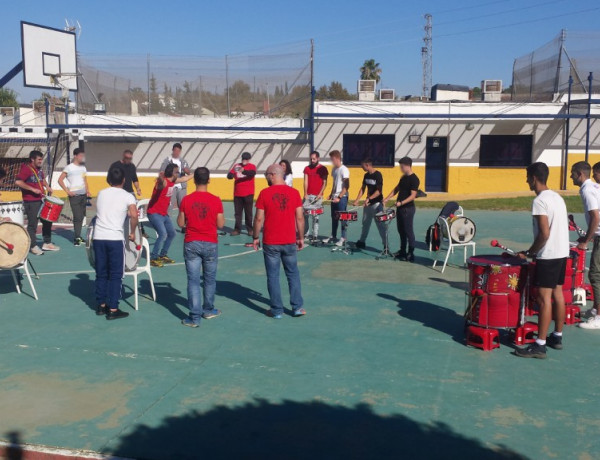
(540, 342)
(557, 334)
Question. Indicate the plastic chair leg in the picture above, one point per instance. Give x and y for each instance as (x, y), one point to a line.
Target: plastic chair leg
(135, 291)
(152, 285)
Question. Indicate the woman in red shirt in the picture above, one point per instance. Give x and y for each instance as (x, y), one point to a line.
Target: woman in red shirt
(158, 214)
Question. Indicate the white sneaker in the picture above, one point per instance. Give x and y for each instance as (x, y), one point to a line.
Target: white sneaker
(592, 323)
(340, 242)
(328, 239)
(50, 247)
(36, 251)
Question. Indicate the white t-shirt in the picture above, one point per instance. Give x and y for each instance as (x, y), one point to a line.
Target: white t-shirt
(549, 203)
(590, 195)
(76, 177)
(112, 204)
(177, 162)
(289, 180)
(339, 174)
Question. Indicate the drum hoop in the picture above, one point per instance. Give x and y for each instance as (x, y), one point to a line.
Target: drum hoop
(54, 200)
(24, 260)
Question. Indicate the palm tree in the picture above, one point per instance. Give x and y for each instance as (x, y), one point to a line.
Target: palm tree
(370, 70)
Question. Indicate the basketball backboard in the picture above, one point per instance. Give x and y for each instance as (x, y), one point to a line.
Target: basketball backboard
(49, 57)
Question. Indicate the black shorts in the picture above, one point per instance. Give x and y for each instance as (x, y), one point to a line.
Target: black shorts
(550, 273)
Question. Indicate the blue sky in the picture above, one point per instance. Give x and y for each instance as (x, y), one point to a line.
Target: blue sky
(472, 40)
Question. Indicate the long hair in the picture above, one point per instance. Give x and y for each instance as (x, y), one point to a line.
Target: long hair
(287, 167)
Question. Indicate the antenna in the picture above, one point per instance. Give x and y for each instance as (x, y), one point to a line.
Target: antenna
(73, 26)
(427, 58)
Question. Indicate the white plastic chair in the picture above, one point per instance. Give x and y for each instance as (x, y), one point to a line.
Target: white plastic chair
(445, 238)
(23, 266)
(142, 209)
(142, 269)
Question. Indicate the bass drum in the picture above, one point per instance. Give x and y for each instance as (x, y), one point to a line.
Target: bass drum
(133, 249)
(14, 245)
(462, 229)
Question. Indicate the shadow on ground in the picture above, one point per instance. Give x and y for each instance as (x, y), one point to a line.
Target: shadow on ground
(243, 295)
(430, 315)
(294, 430)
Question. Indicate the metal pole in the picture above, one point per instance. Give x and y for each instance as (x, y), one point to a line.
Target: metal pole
(148, 80)
(227, 84)
(567, 135)
(587, 115)
(67, 110)
(47, 105)
(563, 36)
(312, 97)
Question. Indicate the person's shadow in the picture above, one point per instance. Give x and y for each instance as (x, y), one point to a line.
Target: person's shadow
(169, 297)
(14, 451)
(244, 295)
(83, 287)
(430, 315)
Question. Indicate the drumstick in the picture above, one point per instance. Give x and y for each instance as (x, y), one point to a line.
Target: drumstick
(9, 246)
(496, 244)
(579, 230)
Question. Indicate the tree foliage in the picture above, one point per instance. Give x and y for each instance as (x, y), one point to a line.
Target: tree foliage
(335, 91)
(8, 98)
(370, 70)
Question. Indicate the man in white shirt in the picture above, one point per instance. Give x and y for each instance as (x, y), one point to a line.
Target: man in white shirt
(590, 195)
(113, 206)
(77, 191)
(550, 249)
(180, 190)
(338, 196)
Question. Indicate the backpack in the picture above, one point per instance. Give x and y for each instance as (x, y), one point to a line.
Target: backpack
(433, 238)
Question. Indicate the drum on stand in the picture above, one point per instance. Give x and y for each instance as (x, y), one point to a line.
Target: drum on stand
(462, 229)
(347, 216)
(14, 245)
(13, 210)
(313, 211)
(133, 249)
(386, 215)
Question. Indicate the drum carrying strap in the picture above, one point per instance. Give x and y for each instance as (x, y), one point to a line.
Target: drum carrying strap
(37, 178)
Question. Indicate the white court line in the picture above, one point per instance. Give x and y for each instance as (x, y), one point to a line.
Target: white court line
(229, 256)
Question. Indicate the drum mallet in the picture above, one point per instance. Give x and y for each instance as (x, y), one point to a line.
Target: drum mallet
(579, 230)
(9, 247)
(496, 244)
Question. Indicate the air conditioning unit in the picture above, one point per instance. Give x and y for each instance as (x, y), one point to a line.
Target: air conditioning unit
(366, 90)
(387, 95)
(7, 115)
(491, 90)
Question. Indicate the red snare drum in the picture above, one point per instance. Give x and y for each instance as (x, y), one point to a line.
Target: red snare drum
(347, 216)
(313, 211)
(51, 209)
(385, 216)
(498, 290)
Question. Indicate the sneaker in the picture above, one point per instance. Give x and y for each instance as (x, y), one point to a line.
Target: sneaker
(50, 247)
(554, 341)
(166, 260)
(299, 312)
(36, 251)
(592, 323)
(236, 233)
(361, 244)
(340, 242)
(116, 314)
(590, 313)
(189, 323)
(328, 239)
(211, 314)
(270, 314)
(156, 263)
(534, 350)
(101, 310)
(78, 241)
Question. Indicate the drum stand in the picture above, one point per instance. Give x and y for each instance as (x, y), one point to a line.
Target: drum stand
(345, 248)
(386, 250)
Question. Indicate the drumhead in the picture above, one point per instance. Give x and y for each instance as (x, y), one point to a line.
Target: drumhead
(14, 245)
(55, 200)
(89, 243)
(133, 249)
(462, 230)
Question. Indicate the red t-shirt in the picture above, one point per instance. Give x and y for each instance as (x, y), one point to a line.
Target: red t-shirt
(160, 200)
(201, 209)
(316, 177)
(279, 202)
(27, 175)
(243, 185)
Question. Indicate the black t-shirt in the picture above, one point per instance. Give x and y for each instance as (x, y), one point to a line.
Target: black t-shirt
(374, 181)
(406, 185)
(130, 174)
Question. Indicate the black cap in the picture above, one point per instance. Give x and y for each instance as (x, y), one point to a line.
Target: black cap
(246, 156)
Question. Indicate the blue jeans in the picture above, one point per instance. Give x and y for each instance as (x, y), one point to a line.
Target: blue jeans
(110, 266)
(201, 255)
(166, 233)
(274, 256)
(340, 206)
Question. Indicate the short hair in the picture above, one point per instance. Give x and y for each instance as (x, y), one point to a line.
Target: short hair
(176, 145)
(335, 154)
(35, 154)
(596, 166)
(201, 175)
(582, 167)
(169, 169)
(2, 173)
(287, 167)
(116, 176)
(127, 151)
(77, 151)
(314, 152)
(539, 170)
(366, 161)
(406, 161)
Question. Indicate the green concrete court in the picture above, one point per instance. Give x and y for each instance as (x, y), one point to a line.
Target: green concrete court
(377, 369)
